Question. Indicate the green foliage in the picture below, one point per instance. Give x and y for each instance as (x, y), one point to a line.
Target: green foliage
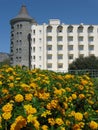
(81, 63)
(5, 62)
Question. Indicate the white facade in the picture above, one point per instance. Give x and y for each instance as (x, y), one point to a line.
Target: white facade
(56, 45)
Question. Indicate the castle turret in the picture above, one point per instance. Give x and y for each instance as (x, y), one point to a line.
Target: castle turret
(20, 38)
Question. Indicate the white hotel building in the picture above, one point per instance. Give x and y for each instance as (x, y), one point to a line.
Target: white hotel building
(55, 45)
(51, 46)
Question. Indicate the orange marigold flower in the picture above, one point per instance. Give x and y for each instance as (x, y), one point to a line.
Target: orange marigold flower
(76, 127)
(81, 96)
(44, 127)
(28, 97)
(5, 91)
(11, 78)
(51, 121)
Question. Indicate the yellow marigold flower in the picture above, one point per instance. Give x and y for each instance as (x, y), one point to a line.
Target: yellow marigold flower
(36, 124)
(9, 69)
(44, 114)
(90, 102)
(5, 91)
(49, 106)
(19, 98)
(69, 76)
(70, 99)
(59, 121)
(28, 97)
(11, 85)
(86, 115)
(74, 96)
(51, 121)
(54, 103)
(43, 95)
(62, 128)
(81, 96)
(44, 127)
(78, 116)
(25, 87)
(11, 78)
(33, 85)
(68, 89)
(0, 119)
(81, 124)
(31, 118)
(0, 82)
(81, 87)
(67, 122)
(65, 105)
(6, 115)
(29, 109)
(7, 108)
(93, 125)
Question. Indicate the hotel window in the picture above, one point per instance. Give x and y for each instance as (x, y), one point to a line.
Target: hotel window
(60, 56)
(33, 40)
(40, 48)
(40, 31)
(60, 39)
(70, 47)
(80, 29)
(49, 38)
(60, 65)
(40, 57)
(33, 58)
(49, 65)
(70, 29)
(20, 50)
(60, 47)
(40, 40)
(49, 29)
(71, 57)
(19, 59)
(90, 29)
(80, 39)
(81, 47)
(33, 32)
(70, 38)
(49, 56)
(59, 29)
(90, 39)
(33, 49)
(81, 55)
(91, 47)
(49, 47)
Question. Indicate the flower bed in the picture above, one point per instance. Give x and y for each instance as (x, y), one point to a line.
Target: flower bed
(45, 100)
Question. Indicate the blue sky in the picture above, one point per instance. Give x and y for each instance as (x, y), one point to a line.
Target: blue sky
(68, 11)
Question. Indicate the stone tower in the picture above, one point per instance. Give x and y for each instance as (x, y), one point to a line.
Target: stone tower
(20, 48)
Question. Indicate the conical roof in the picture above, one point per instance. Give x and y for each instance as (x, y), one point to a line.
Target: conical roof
(23, 15)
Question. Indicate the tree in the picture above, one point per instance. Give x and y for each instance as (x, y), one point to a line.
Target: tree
(82, 63)
(5, 62)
